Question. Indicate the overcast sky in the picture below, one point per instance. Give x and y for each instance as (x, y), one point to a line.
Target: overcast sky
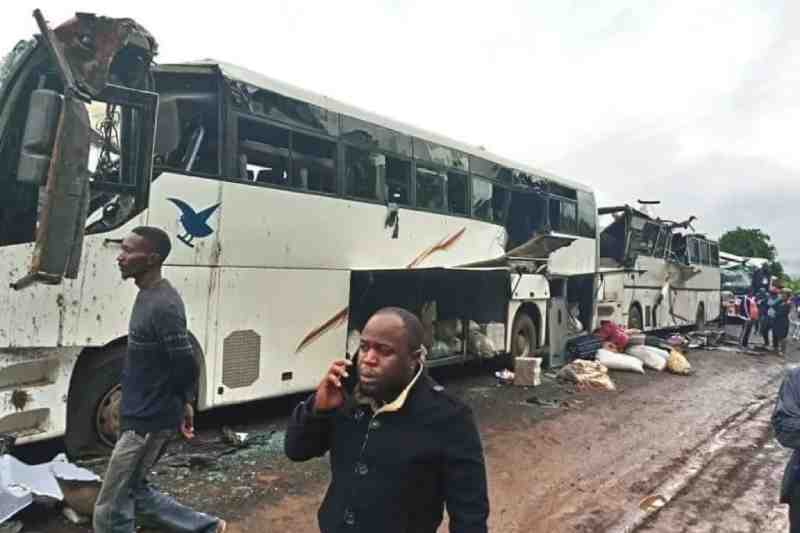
(694, 103)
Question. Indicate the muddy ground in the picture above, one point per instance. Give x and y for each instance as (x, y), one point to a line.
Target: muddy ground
(698, 445)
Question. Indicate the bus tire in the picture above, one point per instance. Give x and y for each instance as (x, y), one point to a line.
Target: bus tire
(635, 318)
(700, 318)
(524, 337)
(93, 404)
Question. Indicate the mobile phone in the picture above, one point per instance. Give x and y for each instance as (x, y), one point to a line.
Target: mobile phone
(349, 383)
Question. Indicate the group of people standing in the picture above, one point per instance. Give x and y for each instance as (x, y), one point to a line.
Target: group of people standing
(767, 310)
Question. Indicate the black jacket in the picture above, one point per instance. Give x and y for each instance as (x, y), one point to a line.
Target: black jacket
(394, 472)
(786, 423)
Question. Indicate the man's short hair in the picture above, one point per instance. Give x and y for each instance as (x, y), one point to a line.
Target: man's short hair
(414, 329)
(158, 239)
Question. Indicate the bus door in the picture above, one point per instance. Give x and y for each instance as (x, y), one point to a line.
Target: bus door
(558, 321)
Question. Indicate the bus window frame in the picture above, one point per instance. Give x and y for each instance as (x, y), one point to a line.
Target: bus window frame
(714, 257)
(343, 145)
(663, 238)
(440, 170)
(561, 200)
(231, 113)
(692, 258)
(237, 115)
(223, 128)
(581, 199)
(705, 253)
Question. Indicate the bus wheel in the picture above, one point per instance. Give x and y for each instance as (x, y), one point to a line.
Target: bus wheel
(635, 317)
(700, 319)
(93, 404)
(524, 337)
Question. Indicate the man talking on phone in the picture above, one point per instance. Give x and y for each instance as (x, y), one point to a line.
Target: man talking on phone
(401, 449)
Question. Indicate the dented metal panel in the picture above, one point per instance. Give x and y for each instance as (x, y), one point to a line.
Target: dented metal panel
(91, 43)
(33, 385)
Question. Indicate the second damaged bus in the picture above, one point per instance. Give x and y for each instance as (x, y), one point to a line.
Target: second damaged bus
(656, 274)
(293, 217)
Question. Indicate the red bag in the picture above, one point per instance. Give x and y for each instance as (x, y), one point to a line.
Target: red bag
(615, 334)
(753, 308)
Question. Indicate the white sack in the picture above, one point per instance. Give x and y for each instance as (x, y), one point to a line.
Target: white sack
(647, 357)
(619, 361)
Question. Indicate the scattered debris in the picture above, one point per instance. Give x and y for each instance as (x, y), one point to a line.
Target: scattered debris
(677, 341)
(191, 460)
(21, 483)
(535, 400)
(731, 349)
(210, 454)
(706, 339)
(652, 502)
(587, 375)
(12, 526)
(505, 376)
(73, 516)
(235, 438)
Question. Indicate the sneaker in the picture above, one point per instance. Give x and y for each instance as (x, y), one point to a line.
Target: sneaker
(221, 526)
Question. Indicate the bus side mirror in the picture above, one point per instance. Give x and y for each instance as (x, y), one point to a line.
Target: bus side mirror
(41, 128)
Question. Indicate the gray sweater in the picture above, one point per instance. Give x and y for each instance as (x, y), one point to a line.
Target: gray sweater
(160, 374)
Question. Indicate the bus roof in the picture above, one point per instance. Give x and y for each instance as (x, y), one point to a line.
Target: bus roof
(261, 81)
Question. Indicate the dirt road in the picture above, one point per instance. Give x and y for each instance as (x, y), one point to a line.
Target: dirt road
(735, 491)
(584, 466)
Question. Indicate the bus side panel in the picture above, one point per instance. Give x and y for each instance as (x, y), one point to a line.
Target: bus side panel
(184, 207)
(278, 330)
(256, 226)
(104, 300)
(91, 310)
(611, 299)
(533, 289)
(33, 317)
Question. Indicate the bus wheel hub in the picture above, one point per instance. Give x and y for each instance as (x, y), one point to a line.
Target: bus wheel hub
(107, 418)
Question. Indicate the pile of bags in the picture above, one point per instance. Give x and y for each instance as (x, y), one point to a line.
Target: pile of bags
(632, 351)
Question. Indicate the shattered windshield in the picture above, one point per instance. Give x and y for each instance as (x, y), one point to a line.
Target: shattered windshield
(12, 60)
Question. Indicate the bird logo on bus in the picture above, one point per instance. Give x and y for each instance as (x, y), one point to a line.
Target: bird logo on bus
(194, 223)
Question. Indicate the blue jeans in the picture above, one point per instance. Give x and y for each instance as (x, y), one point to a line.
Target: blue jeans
(126, 496)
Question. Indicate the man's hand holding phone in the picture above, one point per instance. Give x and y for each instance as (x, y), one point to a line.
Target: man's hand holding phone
(331, 390)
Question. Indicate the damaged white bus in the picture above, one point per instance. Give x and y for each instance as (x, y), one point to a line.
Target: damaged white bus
(294, 217)
(656, 274)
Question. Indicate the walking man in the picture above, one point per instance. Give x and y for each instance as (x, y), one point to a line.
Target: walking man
(748, 312)
(767, 312)
(400, 448)
(158, 384)
(780, 327)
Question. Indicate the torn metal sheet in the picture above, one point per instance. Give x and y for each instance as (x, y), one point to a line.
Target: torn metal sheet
(21, 483)
(92, 44)
(538, 247)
